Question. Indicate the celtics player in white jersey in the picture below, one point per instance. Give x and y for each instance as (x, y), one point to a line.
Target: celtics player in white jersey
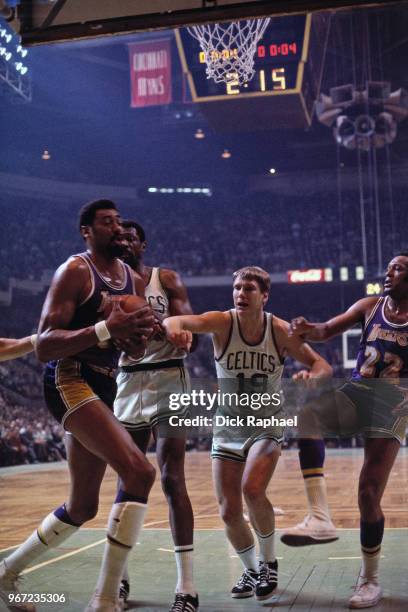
(141, 405)
(249, 347)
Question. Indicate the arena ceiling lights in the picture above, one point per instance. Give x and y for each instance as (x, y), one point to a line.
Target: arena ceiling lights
(191, 191)
(13, 65)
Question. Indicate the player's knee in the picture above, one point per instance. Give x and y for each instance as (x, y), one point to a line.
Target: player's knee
(138, 473)
(230, 513)
(171, 482)
(148, 475)
(252, 492)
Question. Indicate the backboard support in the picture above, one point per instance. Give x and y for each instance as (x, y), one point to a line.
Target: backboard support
(43, 22)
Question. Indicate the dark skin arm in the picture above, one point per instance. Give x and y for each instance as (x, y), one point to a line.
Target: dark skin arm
(296, 347)
(321, 332)
(69, 287)
(179, 303)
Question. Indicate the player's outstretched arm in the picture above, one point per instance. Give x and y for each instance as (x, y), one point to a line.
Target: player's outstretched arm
(321, 332)
(298, 349)
(68, 289)
(179, 329)
(11, 348)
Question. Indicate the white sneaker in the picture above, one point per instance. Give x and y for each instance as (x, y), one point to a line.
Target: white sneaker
(9, 591)
(104, 604)
(366, 595)
(311, 531)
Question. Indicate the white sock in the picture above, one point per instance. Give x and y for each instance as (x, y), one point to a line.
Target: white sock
(248, 557)
(184, 562)
(125, 575)
(316, 494)
(266, 546)
(49, 534)
(370, 565)
(124, 525)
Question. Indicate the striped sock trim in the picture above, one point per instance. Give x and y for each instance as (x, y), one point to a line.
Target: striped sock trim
(371, 552)
(313, 473)
(41, 537)
(244, 550)
(117, 543)
(185, 548)
(264, 536)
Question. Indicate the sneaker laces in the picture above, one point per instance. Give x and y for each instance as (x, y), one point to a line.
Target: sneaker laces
(263, 574)
(123, 591)
(247, 579)
(179, 602)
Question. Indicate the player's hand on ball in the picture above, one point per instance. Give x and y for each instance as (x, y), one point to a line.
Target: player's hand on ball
(158, 329)
(137, 323)
(300, 327)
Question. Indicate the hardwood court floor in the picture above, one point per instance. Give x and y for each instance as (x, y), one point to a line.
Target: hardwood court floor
(28, 493)
(313, 578)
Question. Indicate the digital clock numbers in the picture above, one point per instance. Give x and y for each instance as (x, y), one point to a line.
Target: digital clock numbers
(272, 50)
(275, 50)
(278, 62)
(274, 80)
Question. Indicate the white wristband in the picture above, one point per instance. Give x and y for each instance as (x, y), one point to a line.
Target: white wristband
(102, 332)
(33, 339)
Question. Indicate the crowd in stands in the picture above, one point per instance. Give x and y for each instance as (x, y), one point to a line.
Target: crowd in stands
(207, 237)
(29, 434)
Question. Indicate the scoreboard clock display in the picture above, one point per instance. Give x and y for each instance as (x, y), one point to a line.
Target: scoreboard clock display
(281, 69)
(277, 61)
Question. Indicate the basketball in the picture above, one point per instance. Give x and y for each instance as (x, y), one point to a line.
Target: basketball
(131, 303)
(133, 347)
(128, 303)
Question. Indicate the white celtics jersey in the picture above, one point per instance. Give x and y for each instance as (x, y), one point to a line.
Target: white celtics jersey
(256, 366)
(156, 350)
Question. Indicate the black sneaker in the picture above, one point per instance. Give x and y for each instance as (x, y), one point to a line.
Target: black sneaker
(124, 590)
(267, 580)
(245, 586)
(185, 603)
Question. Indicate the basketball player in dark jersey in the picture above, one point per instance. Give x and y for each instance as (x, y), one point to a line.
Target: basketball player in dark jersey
(137, 407)
(379, 402)
(74, 338)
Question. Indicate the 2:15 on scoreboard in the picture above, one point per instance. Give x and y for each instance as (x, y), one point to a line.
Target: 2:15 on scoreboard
(274, 80)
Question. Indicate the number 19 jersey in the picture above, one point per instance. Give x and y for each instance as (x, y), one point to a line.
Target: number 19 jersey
(259, 364)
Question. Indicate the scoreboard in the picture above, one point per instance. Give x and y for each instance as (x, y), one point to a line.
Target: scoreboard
(287, 64)
(277, 61)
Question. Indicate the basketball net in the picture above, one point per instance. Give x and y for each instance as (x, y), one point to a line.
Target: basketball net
(229, 48)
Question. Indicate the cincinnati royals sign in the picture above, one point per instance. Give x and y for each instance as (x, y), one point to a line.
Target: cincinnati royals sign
(150, 73)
